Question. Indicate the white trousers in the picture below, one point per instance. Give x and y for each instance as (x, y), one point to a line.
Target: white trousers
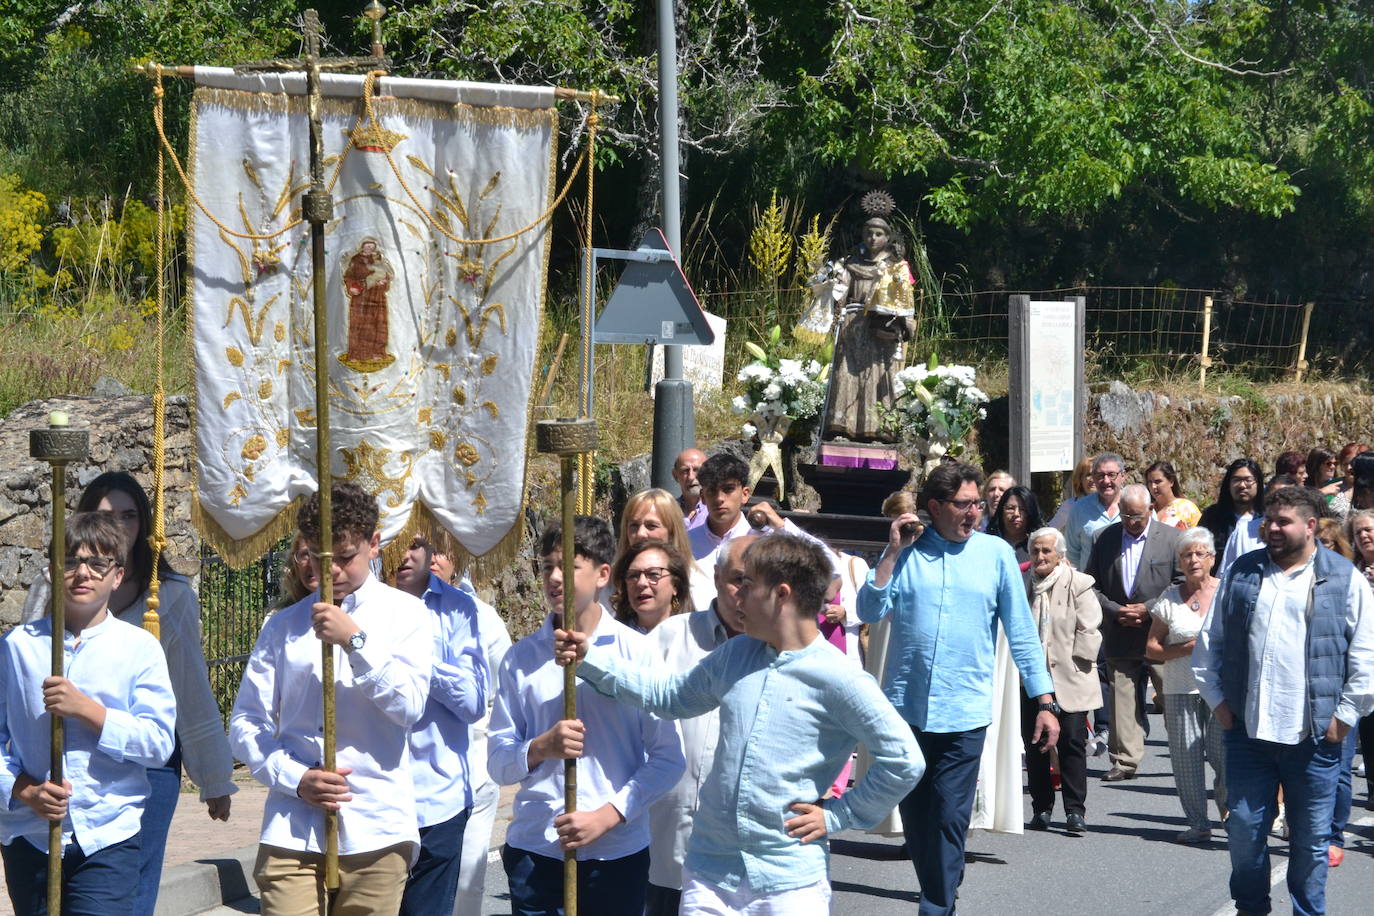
(472, 876)
(701, 898)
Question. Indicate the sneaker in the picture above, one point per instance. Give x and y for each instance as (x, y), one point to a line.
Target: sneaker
(1074, 825)
(1359, 768)
(1194, 835)
(1040, 821)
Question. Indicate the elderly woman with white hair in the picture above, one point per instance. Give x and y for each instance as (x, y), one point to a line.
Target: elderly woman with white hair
(1068, 619)
(1194, 733)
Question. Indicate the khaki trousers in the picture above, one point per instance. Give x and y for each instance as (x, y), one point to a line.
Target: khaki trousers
(291, 883)
(1126, 739)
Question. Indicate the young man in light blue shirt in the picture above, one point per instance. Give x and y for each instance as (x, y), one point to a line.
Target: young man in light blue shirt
(792, 708)
(441, 742)
(119, 714)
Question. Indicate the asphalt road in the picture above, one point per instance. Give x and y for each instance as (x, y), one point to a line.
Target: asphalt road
(1125, 866)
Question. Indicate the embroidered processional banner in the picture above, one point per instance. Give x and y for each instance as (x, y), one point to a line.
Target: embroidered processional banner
(432, 330)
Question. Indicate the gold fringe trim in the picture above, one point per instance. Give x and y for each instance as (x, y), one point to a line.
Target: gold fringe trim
(335, 106)
(809, 336)
(480, 568)
(244, 552)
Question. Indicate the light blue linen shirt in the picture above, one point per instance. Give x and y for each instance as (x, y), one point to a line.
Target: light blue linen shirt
(122, 668)
(788, 723)
(441, 742)
(1087, 516)
(946, 599)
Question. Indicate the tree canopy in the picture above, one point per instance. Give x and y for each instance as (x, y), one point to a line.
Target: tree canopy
(1038, 142)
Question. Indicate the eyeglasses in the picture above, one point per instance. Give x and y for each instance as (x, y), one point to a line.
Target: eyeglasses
(652, 573)
(963, 505)
(1108, 475)
(1134, 518)
(99, 567)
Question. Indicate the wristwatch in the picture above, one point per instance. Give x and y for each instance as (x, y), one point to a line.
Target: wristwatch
(1051, 706)
(356, 641)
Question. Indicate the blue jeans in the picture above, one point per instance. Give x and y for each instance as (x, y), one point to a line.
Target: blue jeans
(98, 885)
(1308, 772)
(433, 880)
(935, 816)
(164, 788)
(1345, 792)
(607, 887)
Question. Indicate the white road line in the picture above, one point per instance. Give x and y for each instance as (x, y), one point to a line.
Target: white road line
(1279, 873)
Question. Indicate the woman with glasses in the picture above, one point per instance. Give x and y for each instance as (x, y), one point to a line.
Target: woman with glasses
(1235, 518)
(1194, 733)
(650, 582)
(201, 743)
(654, 514)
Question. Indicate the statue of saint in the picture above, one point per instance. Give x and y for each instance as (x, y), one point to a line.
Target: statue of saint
(366, 278)
(866, 299)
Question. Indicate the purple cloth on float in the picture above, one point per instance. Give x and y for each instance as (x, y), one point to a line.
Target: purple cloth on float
(857, 461)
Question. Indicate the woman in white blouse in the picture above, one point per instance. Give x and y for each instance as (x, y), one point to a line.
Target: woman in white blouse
(1175, 621)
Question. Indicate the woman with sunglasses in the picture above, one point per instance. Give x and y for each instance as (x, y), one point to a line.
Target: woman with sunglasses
(651, 585)
(201, 743)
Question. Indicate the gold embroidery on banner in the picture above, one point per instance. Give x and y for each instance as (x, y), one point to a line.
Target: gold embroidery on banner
(366, 466)
(230, 398)
(465, 453)
(254, 447)
(475, 338)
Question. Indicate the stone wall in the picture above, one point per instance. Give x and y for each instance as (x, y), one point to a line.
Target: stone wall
(1201, 435)
(121, 430)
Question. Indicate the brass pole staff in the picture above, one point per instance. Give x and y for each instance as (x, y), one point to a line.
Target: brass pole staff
(57, 445)
(569, 439)
(318, 209)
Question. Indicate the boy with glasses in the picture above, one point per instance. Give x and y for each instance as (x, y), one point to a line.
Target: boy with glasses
(119, 715)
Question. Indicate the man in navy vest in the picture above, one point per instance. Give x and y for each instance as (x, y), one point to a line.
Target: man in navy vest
(1286, 661)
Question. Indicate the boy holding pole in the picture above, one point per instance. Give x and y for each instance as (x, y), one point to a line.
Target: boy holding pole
(792, 708)
(119, 713)
(627, 758)
(277, 729)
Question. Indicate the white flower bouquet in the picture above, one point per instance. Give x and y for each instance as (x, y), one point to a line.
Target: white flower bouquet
(937, 404)
(776, 387)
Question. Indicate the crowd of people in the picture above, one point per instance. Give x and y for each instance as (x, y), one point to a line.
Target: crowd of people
(724, 724)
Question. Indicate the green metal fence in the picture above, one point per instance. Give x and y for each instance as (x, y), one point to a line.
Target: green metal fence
(233, 605)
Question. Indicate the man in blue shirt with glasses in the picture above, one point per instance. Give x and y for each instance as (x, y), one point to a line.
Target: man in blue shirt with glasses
(947, 589)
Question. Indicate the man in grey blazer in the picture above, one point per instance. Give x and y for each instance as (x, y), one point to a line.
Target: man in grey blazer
(1132, 561)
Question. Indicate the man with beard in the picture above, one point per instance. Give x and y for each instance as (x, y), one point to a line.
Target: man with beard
(1286, 661)
(685, 468)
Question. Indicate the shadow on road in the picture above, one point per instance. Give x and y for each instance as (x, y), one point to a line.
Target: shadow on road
(886, 893)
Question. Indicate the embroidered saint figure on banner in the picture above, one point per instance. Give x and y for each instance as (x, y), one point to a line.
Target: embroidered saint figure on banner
(367, 276)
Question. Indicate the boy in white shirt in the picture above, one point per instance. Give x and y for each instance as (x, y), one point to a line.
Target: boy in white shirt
(629, 758)
(116, 700)
(381, 641)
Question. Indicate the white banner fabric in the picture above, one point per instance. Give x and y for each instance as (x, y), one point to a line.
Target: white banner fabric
(432, 332)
